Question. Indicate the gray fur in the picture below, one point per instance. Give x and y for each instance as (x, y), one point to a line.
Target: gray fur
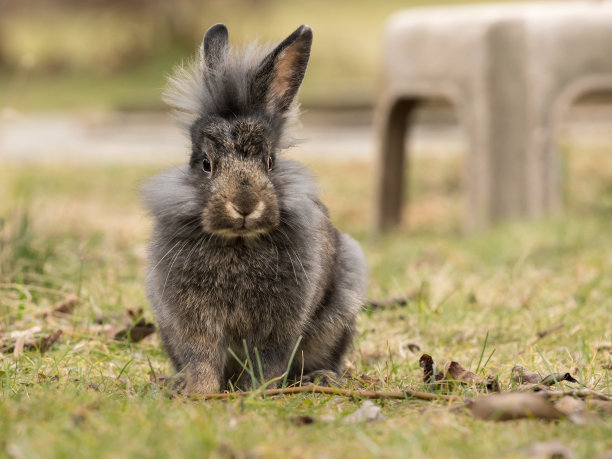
(242, 248)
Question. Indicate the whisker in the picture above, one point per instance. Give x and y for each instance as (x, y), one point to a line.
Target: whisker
(170, 269)
(162, 258)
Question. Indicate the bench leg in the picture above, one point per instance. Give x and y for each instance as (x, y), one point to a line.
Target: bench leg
(392, 124)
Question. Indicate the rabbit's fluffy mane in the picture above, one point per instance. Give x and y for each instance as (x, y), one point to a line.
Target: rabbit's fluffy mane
(193, 92)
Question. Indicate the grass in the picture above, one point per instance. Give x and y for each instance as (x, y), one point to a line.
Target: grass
(479, 300)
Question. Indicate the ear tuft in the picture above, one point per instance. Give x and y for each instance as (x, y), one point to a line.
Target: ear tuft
(215, 46)
(281, 72)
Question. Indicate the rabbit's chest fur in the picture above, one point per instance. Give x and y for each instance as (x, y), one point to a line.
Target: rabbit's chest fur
(245, 289)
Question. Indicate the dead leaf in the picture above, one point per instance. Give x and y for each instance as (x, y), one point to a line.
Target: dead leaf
(604, 406)
(543, 333)
(522, 375)
(607, 366)
(573, 408)
(367, 412)
(302, 420)
(583, 393)
(47, 341)
(388, 303)
(454, 371)
(491, 384)
(26, 341)
(412, 347)
(557, 377)
(605, 346)
(369, 380)
(549, 450)
(430, 373)
(514, 405)
(62, 308)
(41, 377)
(67, 305)
(138, 329)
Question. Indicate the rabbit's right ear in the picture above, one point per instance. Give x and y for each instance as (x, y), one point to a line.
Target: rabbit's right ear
(280, 74)
(214, 46)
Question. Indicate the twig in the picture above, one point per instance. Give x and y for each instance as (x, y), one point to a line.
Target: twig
(543, 333)
(313, 389)
(579, 393)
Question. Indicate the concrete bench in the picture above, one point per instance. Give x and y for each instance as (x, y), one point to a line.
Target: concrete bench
(510, 70)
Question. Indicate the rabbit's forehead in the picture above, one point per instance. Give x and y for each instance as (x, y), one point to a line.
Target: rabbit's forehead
(245, 137)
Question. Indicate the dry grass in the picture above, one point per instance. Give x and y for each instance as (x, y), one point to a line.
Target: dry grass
(79, 229)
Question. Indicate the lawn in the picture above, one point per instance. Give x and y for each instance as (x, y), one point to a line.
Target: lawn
(480, 300)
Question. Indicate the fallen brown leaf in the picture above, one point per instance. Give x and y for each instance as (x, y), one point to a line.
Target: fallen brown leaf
(583, 393)
(553, 378)
(430, 373)
(368, 380)
(41, 377)
(491, 383)
(573, 408)
(543, 333)
(302, 420)
(522, 375)
(63, 307)
(515, 405)
(605, 346)
(600, 405)
(67, 305)
(29, 340)
(138, 329)
(454, 371)
(388, 303)
(47, 341)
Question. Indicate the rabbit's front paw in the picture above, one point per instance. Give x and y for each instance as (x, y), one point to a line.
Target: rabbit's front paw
(201, 380)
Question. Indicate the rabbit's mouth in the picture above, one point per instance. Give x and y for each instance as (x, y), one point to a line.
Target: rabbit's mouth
(240, 221)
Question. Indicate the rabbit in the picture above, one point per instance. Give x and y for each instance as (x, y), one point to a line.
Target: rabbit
(242, 249)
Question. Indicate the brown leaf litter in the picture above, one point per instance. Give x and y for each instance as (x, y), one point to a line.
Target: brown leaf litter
(522, 375)
(62, 308)
(454, 373)
(533, 398)
(20, 341)
(430, 372)
(513, 405)
(138, 329)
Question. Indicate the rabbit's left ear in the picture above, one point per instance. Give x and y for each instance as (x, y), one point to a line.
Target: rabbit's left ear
(280, 74)
(214, 46)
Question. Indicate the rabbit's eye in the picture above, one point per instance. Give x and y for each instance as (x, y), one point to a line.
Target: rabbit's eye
(206, 165)
(270, 162)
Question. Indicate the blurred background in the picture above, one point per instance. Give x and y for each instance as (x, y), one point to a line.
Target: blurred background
(82, 79)
(82, 123)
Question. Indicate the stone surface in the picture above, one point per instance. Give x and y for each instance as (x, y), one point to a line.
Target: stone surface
(511, 71)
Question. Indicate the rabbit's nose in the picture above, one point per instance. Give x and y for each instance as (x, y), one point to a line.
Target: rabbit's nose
(242, 212)
(247, 210)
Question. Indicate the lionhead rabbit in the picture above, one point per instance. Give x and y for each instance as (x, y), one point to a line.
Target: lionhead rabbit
(242, 249)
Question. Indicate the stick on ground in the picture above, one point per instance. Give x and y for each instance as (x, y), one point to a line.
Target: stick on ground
(313, 389)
